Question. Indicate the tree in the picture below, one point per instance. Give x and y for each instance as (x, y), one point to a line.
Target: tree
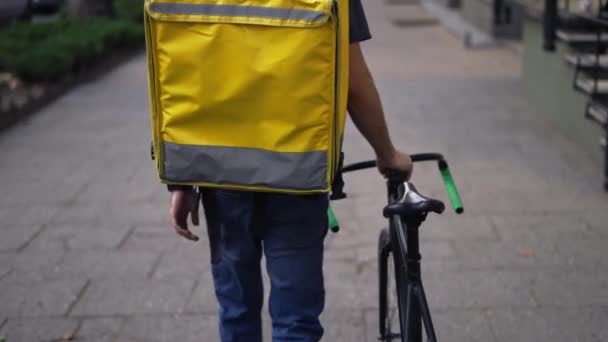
(84, 9)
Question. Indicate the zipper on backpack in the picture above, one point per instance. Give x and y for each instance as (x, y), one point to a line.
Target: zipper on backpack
(335, 158)
(153, 91)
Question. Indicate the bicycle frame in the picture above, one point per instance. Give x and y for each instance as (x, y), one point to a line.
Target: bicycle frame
(406, 246)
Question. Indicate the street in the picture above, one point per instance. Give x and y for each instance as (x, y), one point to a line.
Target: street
(87, 248)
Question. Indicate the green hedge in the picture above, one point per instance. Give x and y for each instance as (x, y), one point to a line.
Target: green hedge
(131, 10)
(46, 51)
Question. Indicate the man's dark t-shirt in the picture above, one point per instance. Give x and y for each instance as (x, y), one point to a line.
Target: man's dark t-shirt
(359, 31)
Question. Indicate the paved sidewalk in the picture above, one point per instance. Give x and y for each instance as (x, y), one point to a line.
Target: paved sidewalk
(86, 248)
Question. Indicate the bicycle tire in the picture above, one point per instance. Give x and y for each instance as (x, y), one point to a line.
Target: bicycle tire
(384, 242)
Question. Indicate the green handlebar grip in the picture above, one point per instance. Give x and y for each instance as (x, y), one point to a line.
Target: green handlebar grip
(332, 221)
(450, 187)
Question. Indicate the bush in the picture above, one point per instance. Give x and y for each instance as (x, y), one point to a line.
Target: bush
(45, 51)
(130, 10)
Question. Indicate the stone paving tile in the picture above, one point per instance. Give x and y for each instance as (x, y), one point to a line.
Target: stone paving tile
(598, 222)
(110, 212)
(119, 184)
(46, 298)
(588, 253)
(489, 201)
(132, 296)
(368, 210)
(462, 326)
(452, 325)
(203, 298)
(157, 238)
(458, 227)
(188, 259)
(27, 214)
(101, 264)
(339, 254)
(43, 191)
(479, 289)
(348, 286)
(339, 326)
(549, 324)
(436, 250)
(343, 325)
(5, 271)
(541, 227)
(14, 237)
(184, 328)
(512, 254)
(80, 236)
(367, 254)
(570, 288)
(99, 329)
(351, 234)
(38, 329)
(32, 266)
(372, 331)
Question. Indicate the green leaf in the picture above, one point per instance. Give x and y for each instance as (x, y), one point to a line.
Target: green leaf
(46, 51)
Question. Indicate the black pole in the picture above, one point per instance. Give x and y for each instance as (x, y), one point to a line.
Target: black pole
(549, 25)
(498, 6)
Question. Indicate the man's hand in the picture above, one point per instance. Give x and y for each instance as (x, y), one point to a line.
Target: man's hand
(396, 161)
(182, 204)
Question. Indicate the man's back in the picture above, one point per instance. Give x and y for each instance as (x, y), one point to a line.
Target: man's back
(288, 228)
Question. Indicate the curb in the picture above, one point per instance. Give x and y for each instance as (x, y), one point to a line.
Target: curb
(67, 83)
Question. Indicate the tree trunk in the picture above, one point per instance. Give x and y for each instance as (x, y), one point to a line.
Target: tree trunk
(84, 9)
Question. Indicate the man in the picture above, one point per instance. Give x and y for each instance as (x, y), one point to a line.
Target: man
(288, 229)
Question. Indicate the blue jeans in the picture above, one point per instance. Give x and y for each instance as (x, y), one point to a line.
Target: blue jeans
(289, 230)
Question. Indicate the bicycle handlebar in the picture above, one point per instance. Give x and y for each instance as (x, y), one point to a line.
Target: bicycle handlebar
(450, 187)
(444, 169)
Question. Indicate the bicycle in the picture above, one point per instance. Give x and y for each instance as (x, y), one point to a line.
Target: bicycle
(399, 250)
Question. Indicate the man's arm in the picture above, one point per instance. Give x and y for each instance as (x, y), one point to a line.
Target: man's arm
(365, 110)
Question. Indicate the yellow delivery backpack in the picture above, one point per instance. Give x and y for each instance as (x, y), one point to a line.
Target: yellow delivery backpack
(248, 94)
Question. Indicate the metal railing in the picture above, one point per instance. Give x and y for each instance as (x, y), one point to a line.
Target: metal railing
(589, 66)
(550, 21)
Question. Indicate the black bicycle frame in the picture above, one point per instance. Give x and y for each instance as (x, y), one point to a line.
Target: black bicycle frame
(405, 246)
(404, 232)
